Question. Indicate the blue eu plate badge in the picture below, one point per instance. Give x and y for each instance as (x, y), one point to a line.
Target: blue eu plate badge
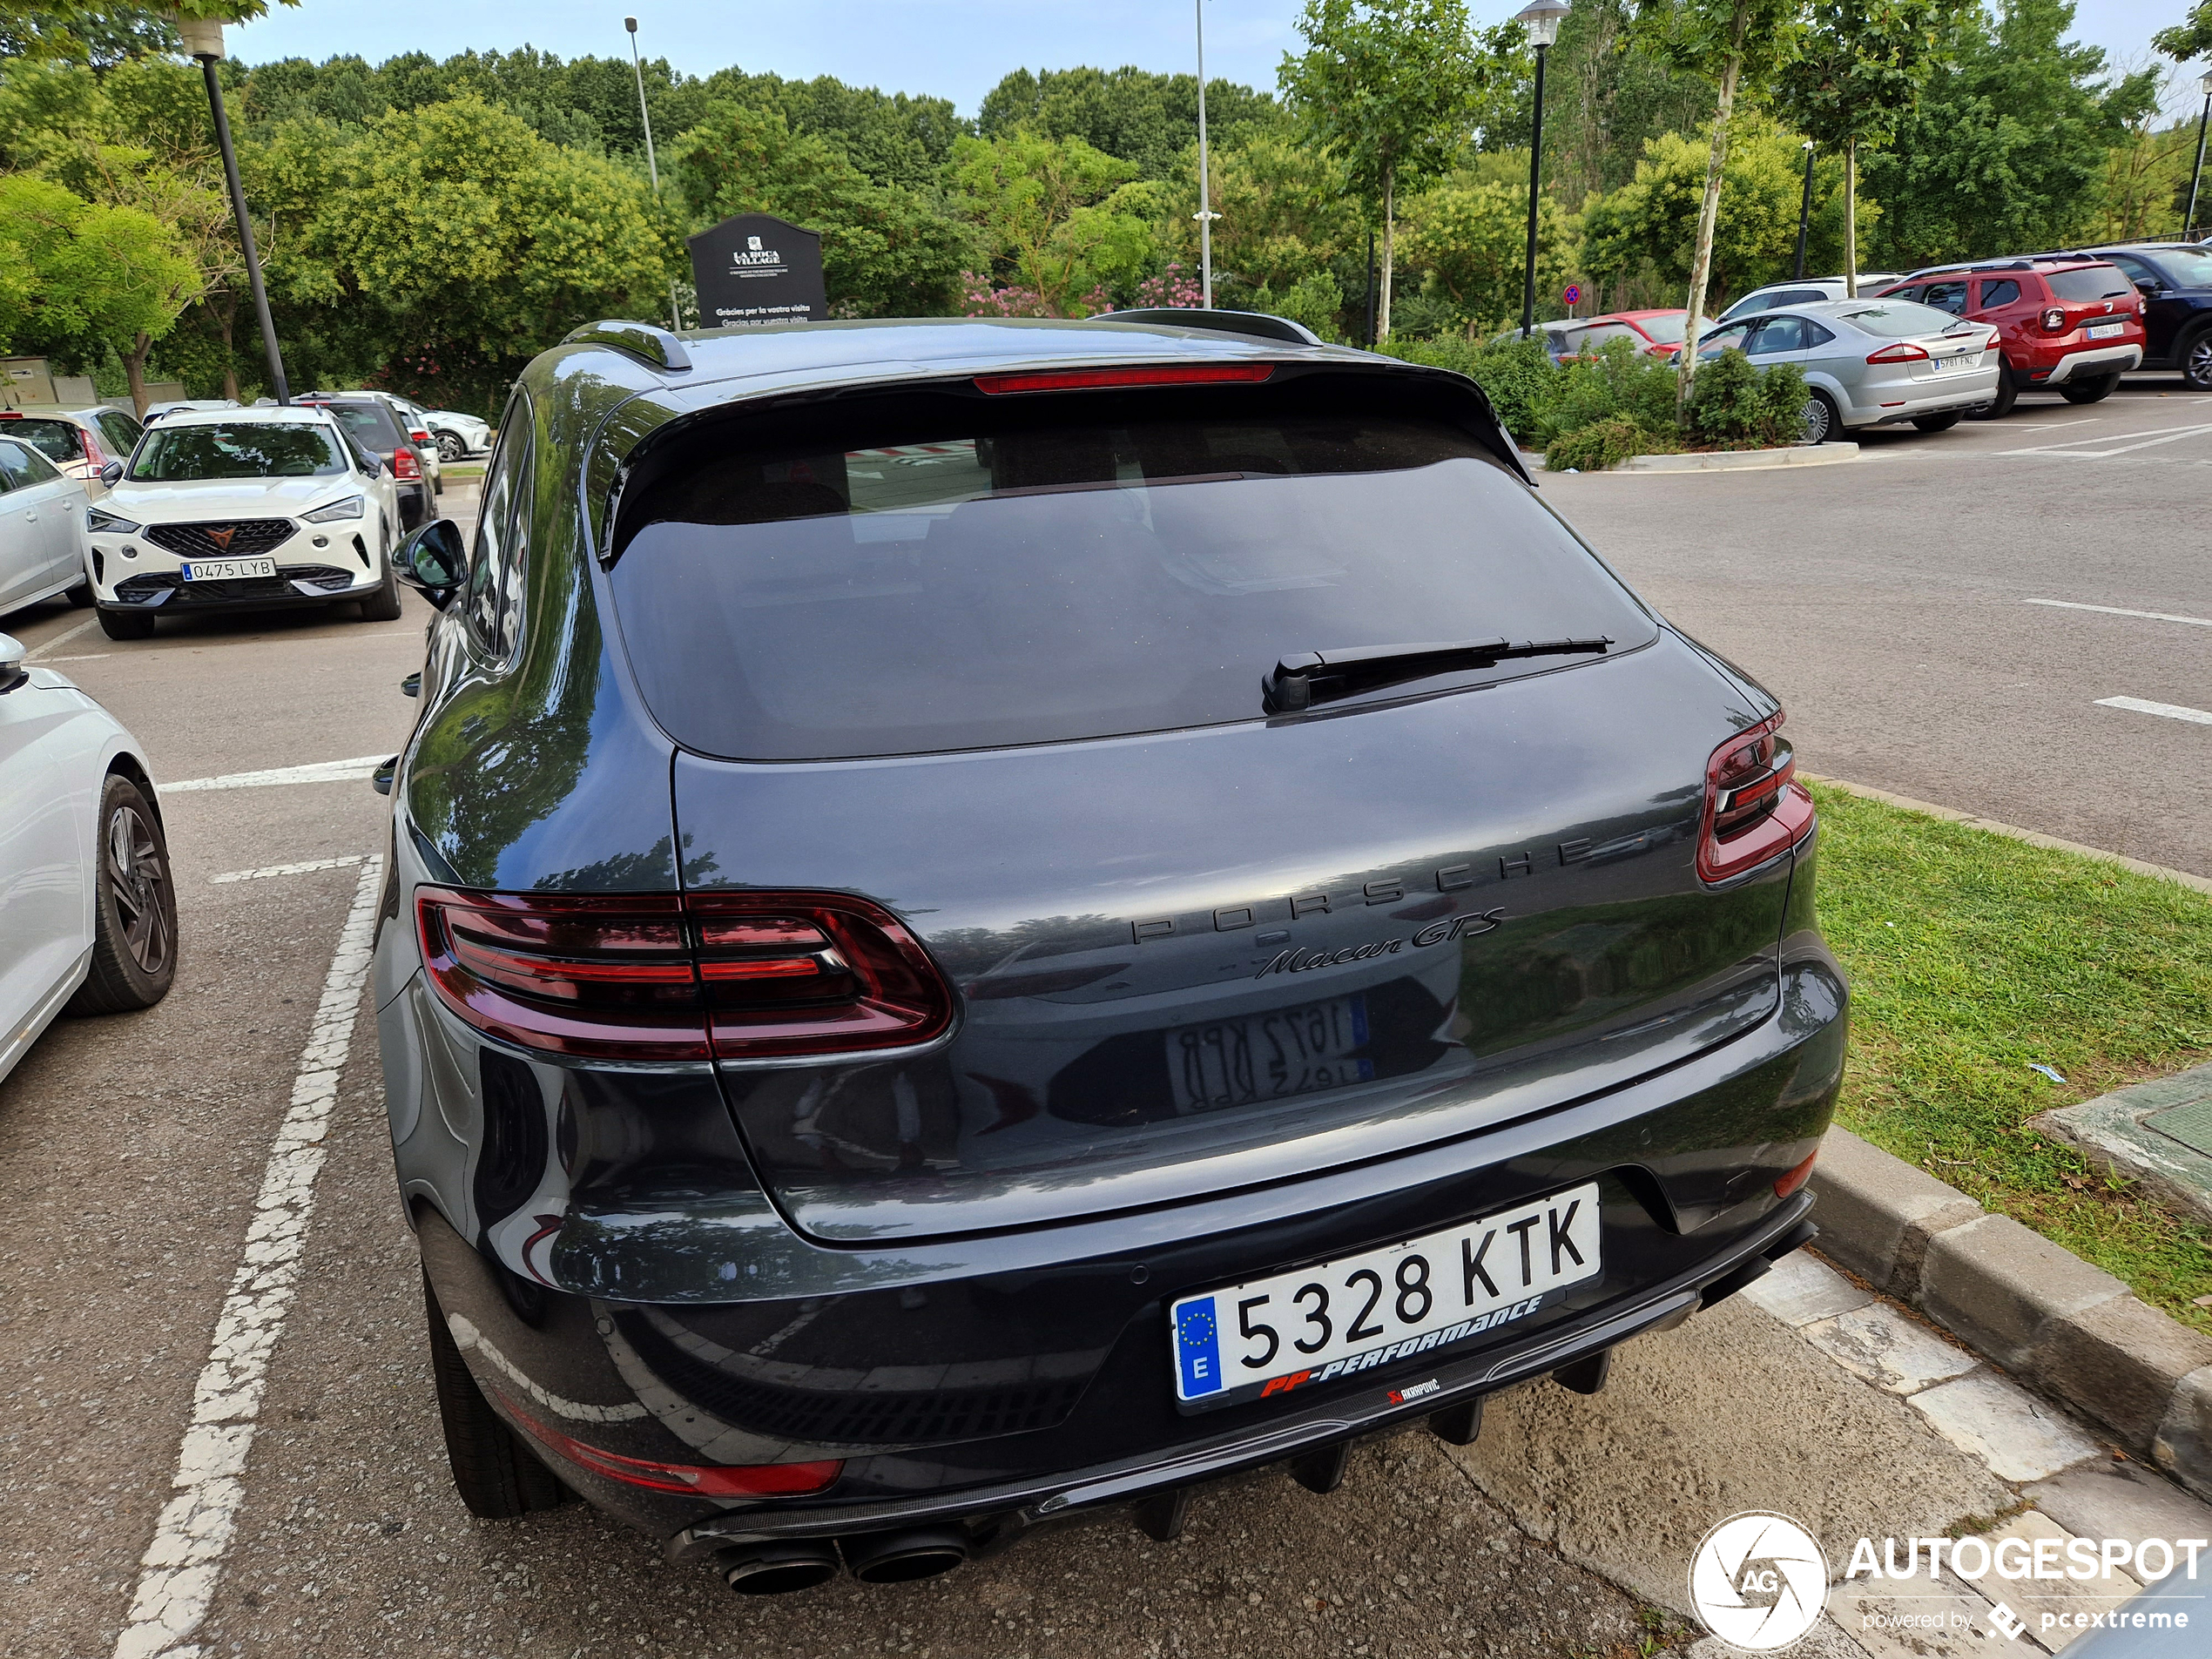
(1197, 1348)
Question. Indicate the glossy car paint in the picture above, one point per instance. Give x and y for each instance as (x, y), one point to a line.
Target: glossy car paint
(1866, 393)
(970, 1311)
(2177, 306)
(2013, 295)
(56, 747)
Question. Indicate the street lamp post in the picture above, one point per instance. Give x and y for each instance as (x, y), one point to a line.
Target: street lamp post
(653, 167)
(1542, 19)
(203, 39)
(1804, 212)
(1206, 215)
(2189, 221)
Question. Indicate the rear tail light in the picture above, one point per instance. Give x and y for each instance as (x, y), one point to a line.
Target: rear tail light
(418, 437)
(706, 1480)
(1072, 380)
(1903, 352)
(404, 465)
(1798, 1176)
(94, 456)
(1755, 808)
(660, 976)
(2054, 319)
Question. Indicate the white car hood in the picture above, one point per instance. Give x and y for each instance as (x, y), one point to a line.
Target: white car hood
(220, 498)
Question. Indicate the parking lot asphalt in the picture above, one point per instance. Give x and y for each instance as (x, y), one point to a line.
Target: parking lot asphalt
(1949, 616)
(131, 1150)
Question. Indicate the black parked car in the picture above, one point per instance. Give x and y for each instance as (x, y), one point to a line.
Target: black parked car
(2176, 283)
(992, 921)
(368, 421)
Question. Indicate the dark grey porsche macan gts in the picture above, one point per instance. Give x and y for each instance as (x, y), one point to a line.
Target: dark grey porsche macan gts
(992, 921)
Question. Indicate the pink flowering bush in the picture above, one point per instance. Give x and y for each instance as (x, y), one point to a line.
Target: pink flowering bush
(979, 298)
(1173, 287)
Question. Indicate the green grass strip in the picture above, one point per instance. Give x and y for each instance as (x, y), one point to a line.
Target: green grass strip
(1973, 956)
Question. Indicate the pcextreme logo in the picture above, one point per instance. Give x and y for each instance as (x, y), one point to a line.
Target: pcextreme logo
(1758, 1580)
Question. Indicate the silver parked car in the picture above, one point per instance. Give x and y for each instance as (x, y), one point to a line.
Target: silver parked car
(1872, 363)
(1802, 291)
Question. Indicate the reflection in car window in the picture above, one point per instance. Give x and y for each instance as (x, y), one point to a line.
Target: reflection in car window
(174, 455)
(19, 465)
(1779, 335)
(371, 423)
(802, 602)
(1898, 319)
(56, 440)
(119, 429)
(1817, 335)
(1727, 336)
(1947, 296)
(493, 599)
(2187, 267)
(2003, 292)
(2090, 282)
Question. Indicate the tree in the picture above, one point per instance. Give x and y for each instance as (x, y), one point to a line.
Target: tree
(2191, 38)
(1131, 113)
(1470, 241)
(1390, 87)
(1859, 68)
(1286, 210)
(1725, 41)
(2007, 148)
(886, 250)
(1065, 221)
(81, 273)
(101, 35)
(1648, 218)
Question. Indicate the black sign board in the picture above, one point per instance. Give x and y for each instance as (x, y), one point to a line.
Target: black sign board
(754, 269)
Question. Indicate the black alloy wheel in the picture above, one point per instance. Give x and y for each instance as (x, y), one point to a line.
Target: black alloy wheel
(2009, 392)
(2094, 390)
(1822, 423)
(134, 928)
(2196, 362)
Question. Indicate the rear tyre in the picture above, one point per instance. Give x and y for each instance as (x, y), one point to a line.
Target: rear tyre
(1942, 422)
(2196, 362)
(2009, 392)
(382, 604)
(2090, 391)
(1822, 421)
(134, 908)
(451, 448)
(497, 1475)
(125, 625)
(79, 596)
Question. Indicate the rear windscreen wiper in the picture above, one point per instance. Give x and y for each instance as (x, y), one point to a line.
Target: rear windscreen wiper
(1314, 677)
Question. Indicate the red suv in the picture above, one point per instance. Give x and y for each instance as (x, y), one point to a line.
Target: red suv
(2066, 322)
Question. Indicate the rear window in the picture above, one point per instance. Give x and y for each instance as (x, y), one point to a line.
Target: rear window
(986, 575)
(1669, 330)
(258, 450)
(56, 440)
(2083, 282)
(370, 425)
(1898, 319)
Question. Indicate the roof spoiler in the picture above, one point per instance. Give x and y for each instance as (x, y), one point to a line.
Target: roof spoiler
(646, 342)
(1257, 324)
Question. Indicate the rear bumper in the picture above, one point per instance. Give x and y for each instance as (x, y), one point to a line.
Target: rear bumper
(2090, 364)
(1904, 399)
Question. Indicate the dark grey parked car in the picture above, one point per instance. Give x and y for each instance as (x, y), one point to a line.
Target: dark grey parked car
(990, 921)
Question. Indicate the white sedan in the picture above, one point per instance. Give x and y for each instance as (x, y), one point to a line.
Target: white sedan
(87, 909)
(245, 510)
(458, 435)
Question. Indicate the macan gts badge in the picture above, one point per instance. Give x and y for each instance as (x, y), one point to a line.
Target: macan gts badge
(975, 944)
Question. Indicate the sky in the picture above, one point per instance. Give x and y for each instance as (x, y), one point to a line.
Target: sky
(956, 49)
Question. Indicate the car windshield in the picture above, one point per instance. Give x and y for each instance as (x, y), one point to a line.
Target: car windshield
(2090, 282)
(258, 449)
(979, 581)
(2187, 267)
(56, 440)
(1899, 319)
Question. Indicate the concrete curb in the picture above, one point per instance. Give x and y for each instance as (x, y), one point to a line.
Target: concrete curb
(1802, 454)
(2034, 838)
(2041, 1312)
(2115, 1132)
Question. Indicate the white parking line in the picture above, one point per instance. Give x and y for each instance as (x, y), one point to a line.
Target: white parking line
(92, 657)
(2114, 610)
(2053, 426)
(62, 638)
(2171, 710)
(319, 772)
(178, 1572)
(2147, 440)
(303, 869)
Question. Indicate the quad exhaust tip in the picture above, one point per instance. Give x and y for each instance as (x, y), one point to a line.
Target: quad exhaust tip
(777, 1568)
(901, 1557)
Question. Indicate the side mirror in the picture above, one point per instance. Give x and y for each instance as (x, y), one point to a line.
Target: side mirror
(2149, 288)
(372, 465)
(12, 672)
(433, 561)
(111, 475)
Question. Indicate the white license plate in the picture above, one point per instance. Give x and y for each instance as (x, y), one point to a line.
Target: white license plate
(1272, 1335)
(1952, 365)
(1266, 1056)
(224, 570)
(2103, 330)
